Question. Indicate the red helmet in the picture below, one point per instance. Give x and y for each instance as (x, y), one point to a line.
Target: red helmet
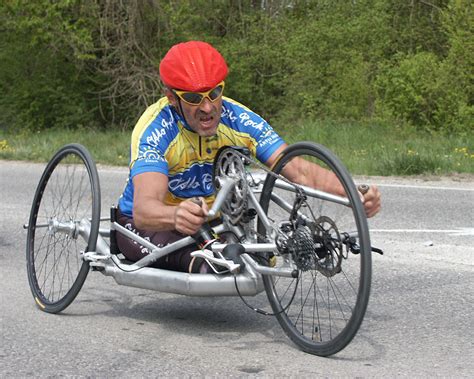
(193, 66)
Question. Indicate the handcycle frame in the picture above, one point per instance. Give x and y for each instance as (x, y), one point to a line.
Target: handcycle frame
(316, 277)
(248, 281)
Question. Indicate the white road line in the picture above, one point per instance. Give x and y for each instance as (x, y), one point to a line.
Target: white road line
(425, 187)
(454, 232)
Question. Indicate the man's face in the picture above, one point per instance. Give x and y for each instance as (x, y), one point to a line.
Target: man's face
(203, 118)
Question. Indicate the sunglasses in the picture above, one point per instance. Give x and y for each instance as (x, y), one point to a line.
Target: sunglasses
(196, 98)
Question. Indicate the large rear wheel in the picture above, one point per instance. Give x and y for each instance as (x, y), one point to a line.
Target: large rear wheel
(68, 193)
(327, 241)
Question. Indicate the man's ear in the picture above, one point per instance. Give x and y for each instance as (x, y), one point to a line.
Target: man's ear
(171, 97)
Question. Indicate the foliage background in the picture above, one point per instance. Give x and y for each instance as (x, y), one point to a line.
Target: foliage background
(92, 63)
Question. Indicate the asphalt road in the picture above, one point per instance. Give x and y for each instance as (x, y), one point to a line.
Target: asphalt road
(419, 320)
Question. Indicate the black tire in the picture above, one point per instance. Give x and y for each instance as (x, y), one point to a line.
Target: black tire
(322, 309)
(68, 192)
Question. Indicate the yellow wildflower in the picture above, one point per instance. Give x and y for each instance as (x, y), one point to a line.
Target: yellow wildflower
(4, 145)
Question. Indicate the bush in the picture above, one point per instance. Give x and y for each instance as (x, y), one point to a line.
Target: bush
(432, 90)
(456, 105)
(409, 89)
(88, 62)
(41, 90)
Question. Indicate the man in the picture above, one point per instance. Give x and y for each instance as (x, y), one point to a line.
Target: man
(173, 147)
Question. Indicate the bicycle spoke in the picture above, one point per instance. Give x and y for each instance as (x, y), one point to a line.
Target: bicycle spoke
(67, 193)
(329, 301)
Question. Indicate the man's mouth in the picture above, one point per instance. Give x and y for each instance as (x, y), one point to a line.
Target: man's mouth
(206, 119)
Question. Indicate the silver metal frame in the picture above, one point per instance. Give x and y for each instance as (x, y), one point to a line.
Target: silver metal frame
(138, 274)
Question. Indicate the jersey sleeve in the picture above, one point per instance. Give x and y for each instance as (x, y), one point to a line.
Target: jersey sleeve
(149, 159)
(150, 141)
(268, 141)
(265, 138)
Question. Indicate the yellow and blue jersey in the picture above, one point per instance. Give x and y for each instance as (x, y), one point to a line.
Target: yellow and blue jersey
(163, 142)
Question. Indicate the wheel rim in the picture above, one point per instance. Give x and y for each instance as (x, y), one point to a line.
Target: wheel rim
(65, 197)
(322, 309)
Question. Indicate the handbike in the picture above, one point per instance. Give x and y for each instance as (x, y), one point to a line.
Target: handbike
(309, 250)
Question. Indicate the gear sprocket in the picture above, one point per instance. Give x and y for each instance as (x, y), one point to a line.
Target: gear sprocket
(230, 163)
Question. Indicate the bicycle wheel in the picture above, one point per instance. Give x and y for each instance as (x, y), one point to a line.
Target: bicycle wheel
(67, 193)
(322, 309)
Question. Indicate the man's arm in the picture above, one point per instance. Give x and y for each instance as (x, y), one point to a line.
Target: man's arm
(303, 172)
(151, 213)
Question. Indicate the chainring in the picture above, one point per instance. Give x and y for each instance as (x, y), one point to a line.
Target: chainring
(229, 163)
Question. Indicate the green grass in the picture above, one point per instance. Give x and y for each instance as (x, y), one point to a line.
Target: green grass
(381, 149)
(107, 147)
(365, 148)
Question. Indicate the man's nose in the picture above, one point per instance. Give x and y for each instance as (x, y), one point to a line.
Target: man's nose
(206, 105)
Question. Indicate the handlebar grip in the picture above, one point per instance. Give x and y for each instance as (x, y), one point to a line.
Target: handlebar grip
(197, 200)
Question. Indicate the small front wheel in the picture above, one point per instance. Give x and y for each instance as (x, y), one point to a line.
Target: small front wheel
(326, 239)
(68, 192)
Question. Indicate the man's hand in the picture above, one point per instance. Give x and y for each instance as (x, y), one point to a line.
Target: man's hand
(189, 216)
(371, 200)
